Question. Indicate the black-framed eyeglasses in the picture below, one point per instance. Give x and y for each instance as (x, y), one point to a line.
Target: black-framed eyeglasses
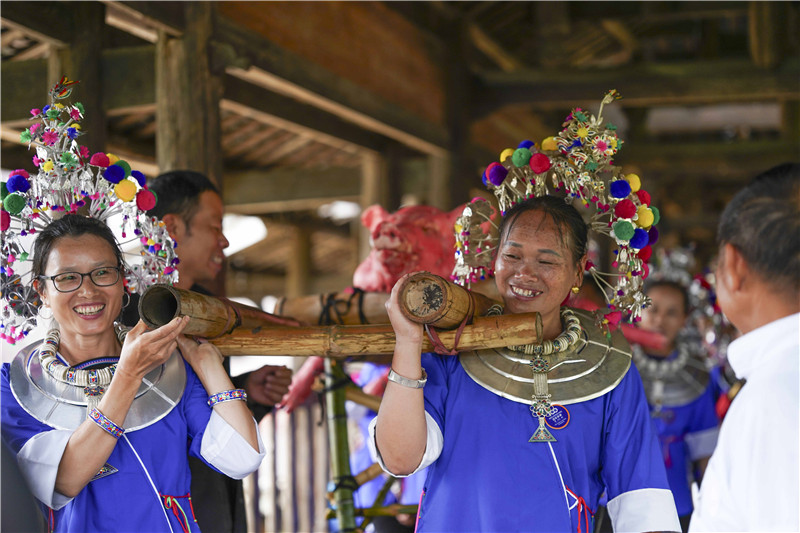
(71, 281)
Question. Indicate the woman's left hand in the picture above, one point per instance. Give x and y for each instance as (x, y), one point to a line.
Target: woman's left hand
(198, 353)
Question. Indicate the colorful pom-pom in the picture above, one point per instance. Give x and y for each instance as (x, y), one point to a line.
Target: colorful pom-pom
(5, 220)
(496, 173)
(549, 144)
(634, 181)
(505, 154)
(625, 209)
(125, 166)
(520, 157)
(114, 173)
(14, 203)
(525, 144)
(3, 190)
(645, 217)
(645, 253)
(18, 183)
(540, 163)
(639, 239)
(21, 172)
(623, 230)
(125, 190)
(47, 166)
(613, 318)
(656, 214)
(112, 158)
(139, 177)
(653, 235)
(146, 200)
(644, 197)
(99, 160)
(620, 189)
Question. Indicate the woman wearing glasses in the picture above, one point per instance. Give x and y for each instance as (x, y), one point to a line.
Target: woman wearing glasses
(102, 427)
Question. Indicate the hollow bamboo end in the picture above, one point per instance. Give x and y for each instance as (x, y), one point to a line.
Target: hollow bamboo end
(159, 305)
(424, 298)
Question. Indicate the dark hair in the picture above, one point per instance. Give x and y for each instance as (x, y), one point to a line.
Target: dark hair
(70, 226)
(763, 223)
(178, 192)
(652, 283)
(565, 216)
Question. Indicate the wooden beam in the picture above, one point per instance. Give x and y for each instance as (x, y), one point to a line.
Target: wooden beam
(148, 17)
(645, 85)
(50, 22)
(255, 192)
(278, 110)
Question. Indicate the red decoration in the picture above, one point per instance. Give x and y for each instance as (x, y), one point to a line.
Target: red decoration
(644, 197)
(625, 209)
(539, 163)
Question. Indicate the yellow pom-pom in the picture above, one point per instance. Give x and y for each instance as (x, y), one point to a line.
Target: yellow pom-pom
(48, 165)
(645, 217)
(634, 181)
(549, 144)
(58, 105)
(112, 159)
(583, 132)
(505, 154)
(75, 125)
(150, 242)
(125, 190)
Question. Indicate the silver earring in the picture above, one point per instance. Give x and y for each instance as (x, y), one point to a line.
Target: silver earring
(126, 303)
(41, 312)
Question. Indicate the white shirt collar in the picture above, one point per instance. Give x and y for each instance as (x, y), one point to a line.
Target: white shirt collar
(763, 345)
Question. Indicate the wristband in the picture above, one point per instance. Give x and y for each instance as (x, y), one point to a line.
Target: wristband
(226, 396)
(105, 424)
(406, 382)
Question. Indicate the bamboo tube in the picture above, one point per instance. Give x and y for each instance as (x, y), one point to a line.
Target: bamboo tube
(340, 453)
(356, 395)
(388, 510)
(344, 341)
(431, 299)
(368, 474)
(211, 317)
(336, 308)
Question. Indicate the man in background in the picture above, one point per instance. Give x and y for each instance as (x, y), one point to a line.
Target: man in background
(191, 208)
(751, 483)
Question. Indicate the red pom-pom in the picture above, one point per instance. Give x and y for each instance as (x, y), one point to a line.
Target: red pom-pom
(21, 172)
(645, 253)
(99, 160)
(613, 318)
(5, 220)
(644, 197)
(539, 163)
(145, 200)
(625, 209)
(645, 270)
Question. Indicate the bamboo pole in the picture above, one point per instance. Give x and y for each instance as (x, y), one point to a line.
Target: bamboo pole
(345, 308)
(343, 482)
(345, 341)
(431, 299)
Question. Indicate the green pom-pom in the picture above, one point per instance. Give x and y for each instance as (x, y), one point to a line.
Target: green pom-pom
(25, 137)
(23, 256)
(610, 126)
(656, 215)
(125, 166)
(69, 159)
(53, 112)
(3, 190)
(80, 107)
(624, 230)
(580, 116)
(591, 166)
(520, 157)
(14, 203)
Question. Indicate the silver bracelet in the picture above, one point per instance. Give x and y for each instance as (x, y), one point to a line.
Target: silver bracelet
(405, 382)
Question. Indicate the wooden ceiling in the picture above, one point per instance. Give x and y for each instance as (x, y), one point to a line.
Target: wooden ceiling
(318, 97)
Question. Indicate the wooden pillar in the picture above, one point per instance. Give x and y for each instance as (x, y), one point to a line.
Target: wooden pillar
(766, 31)
(438, 193)
(187, 97)
(373, 191)
(299, 270)
(458, 99)
(81, 61)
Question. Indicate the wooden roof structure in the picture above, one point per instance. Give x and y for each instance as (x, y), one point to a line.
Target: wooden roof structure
(293, 105)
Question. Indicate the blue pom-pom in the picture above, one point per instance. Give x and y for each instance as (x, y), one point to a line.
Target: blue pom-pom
(640, 239)
(139, 177)
(484, 179)
(525, 144)
(114, 174)
(17, 183)
(620, 189)
(496, 175)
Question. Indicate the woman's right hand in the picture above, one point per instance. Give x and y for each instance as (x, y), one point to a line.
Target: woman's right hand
(144, 350)
(404, 329)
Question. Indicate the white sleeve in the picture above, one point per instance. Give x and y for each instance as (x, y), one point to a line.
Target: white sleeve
(38, 461)
(433, 445)
(702, 443)
(644, 510)
(224, 448)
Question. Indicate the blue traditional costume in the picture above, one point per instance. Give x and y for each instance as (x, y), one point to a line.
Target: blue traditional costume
(487, 473)
(144, 485)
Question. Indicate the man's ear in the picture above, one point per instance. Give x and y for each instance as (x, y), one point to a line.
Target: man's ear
(734, 269)
(175, 226)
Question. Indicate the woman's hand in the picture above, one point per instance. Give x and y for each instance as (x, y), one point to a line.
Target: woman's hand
(197, 354)
(405, 330)
(144, 350)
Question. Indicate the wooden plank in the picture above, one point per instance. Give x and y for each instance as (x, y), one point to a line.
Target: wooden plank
(151, 16)
(278, 186)
(645, 85)
(50, 22)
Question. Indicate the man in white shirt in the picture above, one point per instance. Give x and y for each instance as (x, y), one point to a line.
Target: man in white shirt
(752, 481)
